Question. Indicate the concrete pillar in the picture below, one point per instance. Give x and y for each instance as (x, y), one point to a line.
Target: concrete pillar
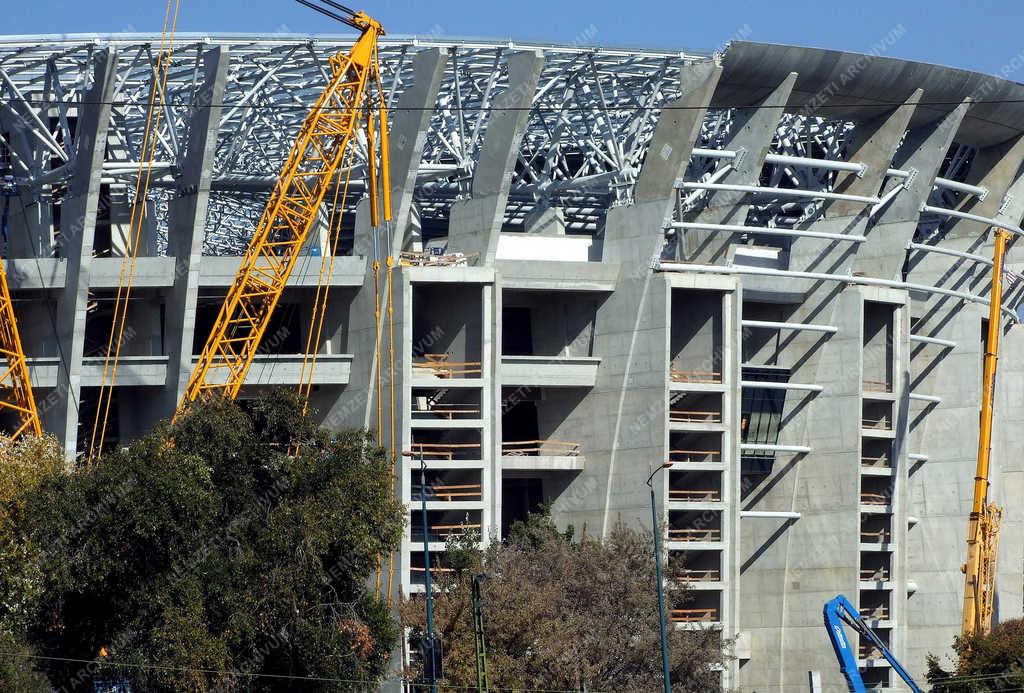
(186, 225)
(357, 405)
(77, 228)
(476, 223)
(922, 152)
(633, 235)
(753, 129)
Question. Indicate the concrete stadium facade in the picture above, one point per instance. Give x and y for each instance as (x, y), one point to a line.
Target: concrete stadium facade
(767, 266)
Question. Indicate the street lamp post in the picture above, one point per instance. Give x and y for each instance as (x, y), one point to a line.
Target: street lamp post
(431, 658)
(661, 591)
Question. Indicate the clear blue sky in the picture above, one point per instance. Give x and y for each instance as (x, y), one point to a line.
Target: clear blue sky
(982, 35)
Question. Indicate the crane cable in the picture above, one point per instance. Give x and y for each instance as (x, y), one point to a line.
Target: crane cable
(323, 287)
(157, 99)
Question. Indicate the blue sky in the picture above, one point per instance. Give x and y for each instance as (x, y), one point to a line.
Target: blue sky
(983, 35)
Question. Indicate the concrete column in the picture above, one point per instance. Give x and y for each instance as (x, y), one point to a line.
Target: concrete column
(186, 225)
(922, 152)
(408, 136)
(874, 145)
(357, 405)
(633, 235)
(77, 228)
(476, 223)
(754, 129)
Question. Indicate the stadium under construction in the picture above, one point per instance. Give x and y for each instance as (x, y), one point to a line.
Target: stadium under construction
(767, 269)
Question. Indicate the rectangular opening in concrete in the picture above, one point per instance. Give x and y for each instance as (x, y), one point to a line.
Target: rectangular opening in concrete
(875, 566)
(875, 678)
(36, 315)
(876, 415)
(285, 333)
(876, 491)
(696, 339)
(447, 330)
(874, 604)
(448, 444)
(548, 323)
(867, 650)
(448, 404)
(879, 346)
(695, 408)
(520, 496)
(699, 606)
(88, 405)
(443, 525)
(695, 487)
(691, 447)
(540, 421)
(449, 486)
(143, 331)
(875, 528)
(695, 525)
(876, 452)
(516, 331)
(702, 565)
(417, 563)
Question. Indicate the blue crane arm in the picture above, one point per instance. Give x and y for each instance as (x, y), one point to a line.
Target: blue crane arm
(839, 611)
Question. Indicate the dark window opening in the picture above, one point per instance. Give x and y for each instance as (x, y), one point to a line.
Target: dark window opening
(519, 498)
(761, 416)
(516, 333)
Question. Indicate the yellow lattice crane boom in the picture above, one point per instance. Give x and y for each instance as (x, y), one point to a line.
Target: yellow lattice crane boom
(15, 388)
(353, 99)
(983, 526)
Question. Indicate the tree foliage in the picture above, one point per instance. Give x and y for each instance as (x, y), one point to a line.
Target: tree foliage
(993, 662)
(207, 547)
(563, 615)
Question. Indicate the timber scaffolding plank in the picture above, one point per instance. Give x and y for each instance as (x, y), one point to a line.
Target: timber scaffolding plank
(687, 416)
(446, 451)
(693, 455)
(443, 532)
(449, 411)
(449, 492)
(679, 376)
(690, 534)
(441, 367)
(558, 448)
(695, 495)
(709, 614)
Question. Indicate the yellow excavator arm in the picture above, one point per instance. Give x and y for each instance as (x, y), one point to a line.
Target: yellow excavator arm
(352, 99)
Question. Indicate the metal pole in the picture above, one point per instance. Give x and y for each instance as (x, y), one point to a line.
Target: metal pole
(667, 681)
(426, 564)
(482, 679)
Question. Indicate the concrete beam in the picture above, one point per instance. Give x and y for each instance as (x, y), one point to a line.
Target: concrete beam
(476, 223)
(78, 227)
(633, 234)
(186, 224)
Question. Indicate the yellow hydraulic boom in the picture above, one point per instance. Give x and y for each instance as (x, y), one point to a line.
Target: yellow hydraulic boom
(353, 98)
(15, 388)
(983, 526)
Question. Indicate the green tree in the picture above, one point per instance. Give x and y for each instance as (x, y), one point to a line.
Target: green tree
(993, 662)
(209, 547)
(24, 466)
(563, 614)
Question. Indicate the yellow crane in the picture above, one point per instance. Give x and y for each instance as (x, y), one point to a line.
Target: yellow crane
(983, 526)
(15, 388)
(352, 99)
